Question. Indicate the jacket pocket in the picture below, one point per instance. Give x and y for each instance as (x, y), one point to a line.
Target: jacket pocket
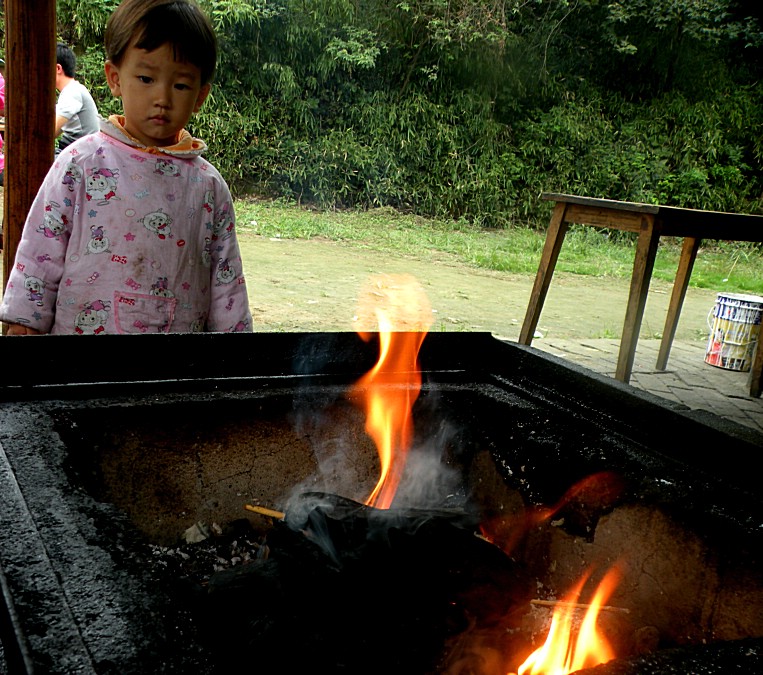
(143, 313)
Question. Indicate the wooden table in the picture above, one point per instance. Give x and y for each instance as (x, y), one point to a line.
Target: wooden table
(650, 222)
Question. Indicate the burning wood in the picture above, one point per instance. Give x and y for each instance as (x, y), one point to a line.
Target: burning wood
(264, 511)
(577, 605)
(569, 647)
(352, 588)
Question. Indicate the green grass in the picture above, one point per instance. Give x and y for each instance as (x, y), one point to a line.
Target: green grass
(733, 267)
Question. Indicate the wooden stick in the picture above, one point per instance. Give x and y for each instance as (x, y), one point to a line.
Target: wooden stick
(263, 511)
(577, 605)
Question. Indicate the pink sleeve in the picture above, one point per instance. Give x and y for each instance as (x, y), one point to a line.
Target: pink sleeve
(229, 307)
(32, 289)
(2, 112)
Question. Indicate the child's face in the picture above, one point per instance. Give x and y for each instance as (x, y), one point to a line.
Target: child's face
(159, 94)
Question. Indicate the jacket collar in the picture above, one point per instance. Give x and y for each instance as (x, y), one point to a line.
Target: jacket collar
(186, 146)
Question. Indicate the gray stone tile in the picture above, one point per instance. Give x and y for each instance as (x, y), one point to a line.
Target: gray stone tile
(687, 379)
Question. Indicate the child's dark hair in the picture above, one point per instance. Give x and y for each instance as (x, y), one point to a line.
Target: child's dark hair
(149, 24)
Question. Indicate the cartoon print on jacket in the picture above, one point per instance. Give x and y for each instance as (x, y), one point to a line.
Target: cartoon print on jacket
(101, 185)
(72, 176)
(225, 272)
(92, 319)
(54, 222)
(209, 202)
(98, 242)
(35, 288)
(165, 167)
(223, 227)
(197, 325)
(160, 288)
(157, 222)
(206, 253)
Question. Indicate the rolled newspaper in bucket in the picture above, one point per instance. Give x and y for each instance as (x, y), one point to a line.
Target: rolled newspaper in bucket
(734, 331)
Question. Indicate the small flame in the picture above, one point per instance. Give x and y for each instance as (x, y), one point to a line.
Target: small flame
(596, 491)
(389, 390)
(562, 653)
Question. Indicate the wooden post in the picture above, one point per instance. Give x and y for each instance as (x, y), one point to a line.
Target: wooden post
(30, 73)
(756, 370)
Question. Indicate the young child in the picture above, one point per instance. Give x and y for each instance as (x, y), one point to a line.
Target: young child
(132, 230)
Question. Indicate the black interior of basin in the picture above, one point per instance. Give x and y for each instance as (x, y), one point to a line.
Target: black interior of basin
(266, 445)
(158, 465)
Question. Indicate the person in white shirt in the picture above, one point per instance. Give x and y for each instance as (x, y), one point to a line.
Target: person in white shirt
(76, 112)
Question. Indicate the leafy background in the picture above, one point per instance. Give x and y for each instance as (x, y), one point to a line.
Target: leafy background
(468, 110)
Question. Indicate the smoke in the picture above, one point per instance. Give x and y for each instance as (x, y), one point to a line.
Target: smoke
(330, 503)
(347, 463)
(428, 482)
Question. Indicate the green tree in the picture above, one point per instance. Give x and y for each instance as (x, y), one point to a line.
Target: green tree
(654, 46)
(471, 108)
(81, 22)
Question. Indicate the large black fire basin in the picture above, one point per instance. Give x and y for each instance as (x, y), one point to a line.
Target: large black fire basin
(111, 448)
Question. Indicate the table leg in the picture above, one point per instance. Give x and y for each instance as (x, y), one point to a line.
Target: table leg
(643, 264)
(681, 283)
(756, 370)
(557, 229)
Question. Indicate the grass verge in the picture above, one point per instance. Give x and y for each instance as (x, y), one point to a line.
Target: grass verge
(729, 267)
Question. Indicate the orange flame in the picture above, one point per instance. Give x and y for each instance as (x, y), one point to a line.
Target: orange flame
(391, 387)
(597, 491)
(561, 654)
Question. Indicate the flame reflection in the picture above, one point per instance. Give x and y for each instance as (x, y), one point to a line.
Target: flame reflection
(595, 493)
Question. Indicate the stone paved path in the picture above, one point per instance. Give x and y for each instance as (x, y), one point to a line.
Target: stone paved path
(688, 379)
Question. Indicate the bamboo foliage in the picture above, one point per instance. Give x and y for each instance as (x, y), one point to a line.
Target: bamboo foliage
(468, 109)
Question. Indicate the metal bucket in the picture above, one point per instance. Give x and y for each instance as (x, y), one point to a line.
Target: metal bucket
(734, 331)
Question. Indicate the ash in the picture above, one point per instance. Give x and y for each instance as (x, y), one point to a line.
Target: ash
(208, 549)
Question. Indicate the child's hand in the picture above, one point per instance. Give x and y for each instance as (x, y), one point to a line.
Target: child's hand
(18, 329)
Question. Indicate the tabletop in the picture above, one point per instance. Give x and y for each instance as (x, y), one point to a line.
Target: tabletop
(673, 221)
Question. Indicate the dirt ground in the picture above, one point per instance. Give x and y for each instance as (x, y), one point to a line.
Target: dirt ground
(315, 285)
(297, 285)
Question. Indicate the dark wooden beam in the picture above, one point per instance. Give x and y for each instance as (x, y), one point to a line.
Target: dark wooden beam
(30, 65)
